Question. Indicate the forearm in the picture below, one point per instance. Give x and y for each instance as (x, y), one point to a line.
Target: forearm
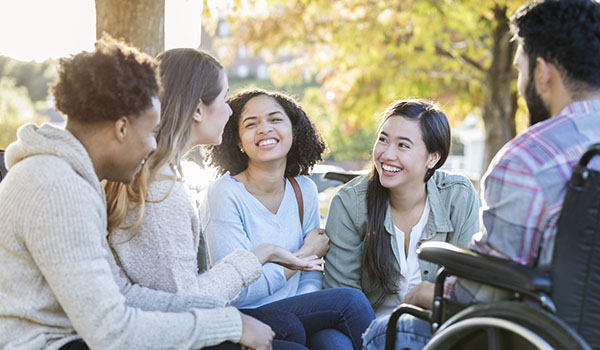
(92, 302)
(230, 276)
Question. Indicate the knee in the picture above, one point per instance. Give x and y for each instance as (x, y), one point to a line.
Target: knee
(290, 328)
(354, 297)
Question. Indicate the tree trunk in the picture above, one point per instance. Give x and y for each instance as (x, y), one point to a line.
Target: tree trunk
(500, 103)
(138, 22)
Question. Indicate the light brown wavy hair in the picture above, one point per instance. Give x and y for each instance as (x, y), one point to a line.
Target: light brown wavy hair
(188, 76)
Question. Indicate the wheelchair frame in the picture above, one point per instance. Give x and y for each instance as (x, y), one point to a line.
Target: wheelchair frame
(579, 220)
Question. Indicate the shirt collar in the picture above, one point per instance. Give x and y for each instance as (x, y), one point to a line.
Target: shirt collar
(582, 107)
(439, 218)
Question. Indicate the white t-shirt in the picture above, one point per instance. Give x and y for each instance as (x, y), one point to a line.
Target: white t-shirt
(409, 265)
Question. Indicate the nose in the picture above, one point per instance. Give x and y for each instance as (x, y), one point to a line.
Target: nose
(388, 153)
(264, 128)
(230, 112)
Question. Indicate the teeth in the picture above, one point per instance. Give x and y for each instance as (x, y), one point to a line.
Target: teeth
(267, 142)
(390, 168)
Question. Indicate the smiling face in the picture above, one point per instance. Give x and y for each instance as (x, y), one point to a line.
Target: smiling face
(265, 130)
(139, 141)
(400, 155)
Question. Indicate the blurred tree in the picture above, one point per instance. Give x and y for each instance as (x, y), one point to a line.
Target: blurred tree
(32, 75)
(369, 53)
(138, 22)
(16, 108)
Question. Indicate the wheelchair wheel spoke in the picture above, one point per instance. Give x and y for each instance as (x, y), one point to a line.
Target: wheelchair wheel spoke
(494, 338)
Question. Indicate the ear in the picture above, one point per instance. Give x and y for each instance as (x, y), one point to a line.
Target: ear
(121, 129)
(197, 116)
(543, 75)
(433, 159)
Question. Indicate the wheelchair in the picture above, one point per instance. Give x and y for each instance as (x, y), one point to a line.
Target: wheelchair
(557, 308)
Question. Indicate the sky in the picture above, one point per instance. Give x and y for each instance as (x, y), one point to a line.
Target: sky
(42, 29)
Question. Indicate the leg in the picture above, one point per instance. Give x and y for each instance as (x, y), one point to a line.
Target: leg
(344, 309)
(412, 333)
(329, 339)
(286, 325)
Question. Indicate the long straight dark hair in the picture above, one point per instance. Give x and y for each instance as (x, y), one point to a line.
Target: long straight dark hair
(377, 256)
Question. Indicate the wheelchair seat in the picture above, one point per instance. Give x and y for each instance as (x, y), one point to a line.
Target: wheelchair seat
(557, 308)
(3, 170)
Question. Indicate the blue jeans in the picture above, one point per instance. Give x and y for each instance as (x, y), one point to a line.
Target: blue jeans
(331, 319)
(411, 333)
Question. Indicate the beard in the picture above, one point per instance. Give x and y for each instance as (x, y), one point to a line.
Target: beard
(538, 111)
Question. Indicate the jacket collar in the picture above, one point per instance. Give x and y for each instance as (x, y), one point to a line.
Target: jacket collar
(439, 218)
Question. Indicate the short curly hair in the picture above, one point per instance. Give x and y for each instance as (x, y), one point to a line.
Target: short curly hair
(112, 81)
(565, 33)
(307, 146)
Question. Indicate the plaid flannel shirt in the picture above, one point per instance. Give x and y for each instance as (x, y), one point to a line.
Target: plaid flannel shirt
(523, 192)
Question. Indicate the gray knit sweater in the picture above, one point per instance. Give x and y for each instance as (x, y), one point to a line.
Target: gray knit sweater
(162, 254)
(58, 281)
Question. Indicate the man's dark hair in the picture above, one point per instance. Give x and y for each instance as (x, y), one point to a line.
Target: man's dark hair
(565, 33)
(113, 81)
(307, 146)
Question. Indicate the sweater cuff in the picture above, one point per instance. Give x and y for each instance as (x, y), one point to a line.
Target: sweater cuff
(246, 264)
(218, 325)
(184, 301)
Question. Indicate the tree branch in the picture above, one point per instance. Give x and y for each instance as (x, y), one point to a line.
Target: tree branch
(462, 57)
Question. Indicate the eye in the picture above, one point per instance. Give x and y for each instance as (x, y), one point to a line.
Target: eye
(403, 145)
(382, 139)
(249, 125)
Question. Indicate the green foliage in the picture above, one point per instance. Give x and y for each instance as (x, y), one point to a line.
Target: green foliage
(366, 54)
(32, 75)
(16, 108)
(457, 147)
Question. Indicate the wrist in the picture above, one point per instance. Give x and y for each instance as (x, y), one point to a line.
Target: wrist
(263, 252)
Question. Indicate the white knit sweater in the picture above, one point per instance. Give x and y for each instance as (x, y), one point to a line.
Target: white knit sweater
(58, 280)
(163, 252)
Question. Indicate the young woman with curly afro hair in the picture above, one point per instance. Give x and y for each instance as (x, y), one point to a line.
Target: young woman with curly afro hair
(268, 144)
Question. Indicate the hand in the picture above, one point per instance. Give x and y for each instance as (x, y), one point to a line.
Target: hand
(255, 334)
(316, 243)
(266, 252)
(421, 295)
(294, 261)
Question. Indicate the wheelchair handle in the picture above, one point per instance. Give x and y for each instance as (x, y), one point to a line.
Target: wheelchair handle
(592, 151)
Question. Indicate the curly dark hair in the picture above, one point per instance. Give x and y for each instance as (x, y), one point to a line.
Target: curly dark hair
(307, 146)
(565, 33)
(113, 81)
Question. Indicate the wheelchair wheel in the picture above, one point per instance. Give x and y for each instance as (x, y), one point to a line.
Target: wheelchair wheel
(505, 325)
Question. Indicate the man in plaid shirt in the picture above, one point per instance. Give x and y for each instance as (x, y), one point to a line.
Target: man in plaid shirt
(558, 59)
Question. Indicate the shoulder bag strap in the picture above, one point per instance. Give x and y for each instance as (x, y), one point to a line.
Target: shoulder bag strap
(298, 193)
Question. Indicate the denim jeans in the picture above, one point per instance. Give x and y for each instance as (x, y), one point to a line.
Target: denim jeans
(411, 333)
(331, 319)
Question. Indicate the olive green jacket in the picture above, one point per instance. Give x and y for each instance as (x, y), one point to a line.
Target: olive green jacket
(454, 218)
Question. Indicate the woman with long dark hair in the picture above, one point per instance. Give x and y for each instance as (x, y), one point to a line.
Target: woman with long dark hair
(376, 222)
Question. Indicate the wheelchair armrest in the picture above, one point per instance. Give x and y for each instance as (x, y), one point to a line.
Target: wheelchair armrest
(484, 269)
(339, 176)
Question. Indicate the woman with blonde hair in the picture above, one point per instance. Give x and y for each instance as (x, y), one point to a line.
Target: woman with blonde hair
(153, 228)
